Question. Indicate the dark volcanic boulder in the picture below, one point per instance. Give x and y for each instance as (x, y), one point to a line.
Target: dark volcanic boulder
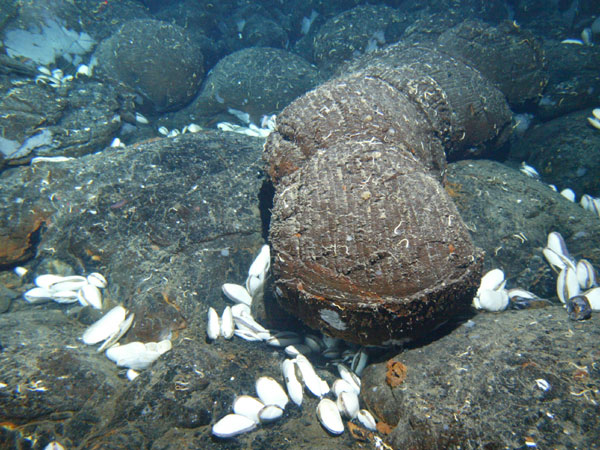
(367, 244)
(257, 80)
(156, 59)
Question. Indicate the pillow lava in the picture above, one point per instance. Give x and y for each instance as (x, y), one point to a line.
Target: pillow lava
(156, 59)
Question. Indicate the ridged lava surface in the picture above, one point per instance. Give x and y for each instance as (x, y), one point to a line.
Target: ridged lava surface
(367, 244)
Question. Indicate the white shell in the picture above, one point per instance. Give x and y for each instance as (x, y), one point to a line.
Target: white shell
(193, 128)
(248, 406)
(254, 285)
(44, 70)
(70, 283)
(237, 293)
(568, 193)
(20, 271)
(359, 362)
(227, 325)
(241, 310)
(248, 335)
(492, 280)
(261, 264)
(292, 384)
(54, 446)
(567, 285)
(123, 328)
(315, 343)
(284, 338)
(127, 351)
(557, 244)
(593, 297)
(46, 280)
(83, 70)
(554, 259)
(137, 355)
(163, 130)
(340, 386)
(213, 327)
(298, 349)
(366, 419)
(270, 392)
(132, 374)
(270, 413)
(349, 377)
(58, 74)
(97, 279)
(65, 296)
(315, 384)
(586, 275)
(522, 293)
(37, 295)
(252, 325)
(348, 404)
(492, 300)
(90, 295)
(232, 425)
(105, 327)
(139, 118)
(594, 122)
(596, 113)
(329, 416)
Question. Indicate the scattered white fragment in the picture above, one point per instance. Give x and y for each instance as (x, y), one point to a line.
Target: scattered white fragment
(132, 374)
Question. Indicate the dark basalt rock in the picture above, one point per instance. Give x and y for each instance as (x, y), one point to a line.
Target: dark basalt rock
(368, 246)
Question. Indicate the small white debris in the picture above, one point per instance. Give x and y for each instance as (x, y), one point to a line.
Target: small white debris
(132, 374)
